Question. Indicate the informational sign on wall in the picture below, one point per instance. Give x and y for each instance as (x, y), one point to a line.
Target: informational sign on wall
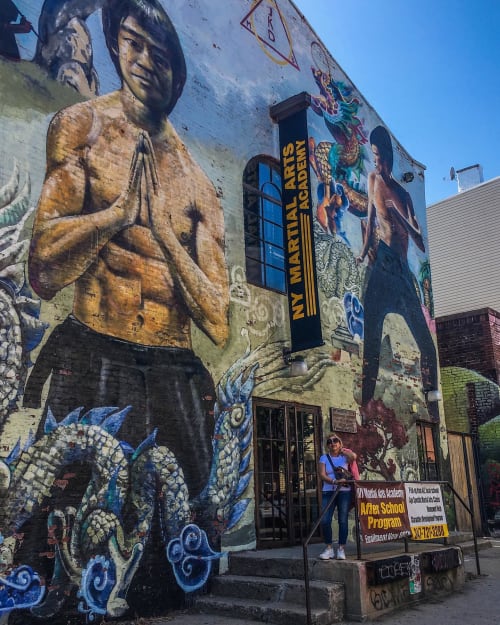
(343, 420)
(426, 511)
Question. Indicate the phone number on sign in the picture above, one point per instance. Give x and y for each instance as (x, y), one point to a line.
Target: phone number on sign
(429, 531)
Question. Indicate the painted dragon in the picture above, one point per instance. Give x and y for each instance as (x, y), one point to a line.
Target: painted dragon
(95, 549)
(20, 328)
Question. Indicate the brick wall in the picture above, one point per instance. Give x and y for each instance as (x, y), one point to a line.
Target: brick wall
(472, 341)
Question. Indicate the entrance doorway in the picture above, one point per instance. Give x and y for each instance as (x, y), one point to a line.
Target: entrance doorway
(287, 449)
(426, 445)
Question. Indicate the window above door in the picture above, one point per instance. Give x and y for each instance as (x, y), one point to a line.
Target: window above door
(263, 220)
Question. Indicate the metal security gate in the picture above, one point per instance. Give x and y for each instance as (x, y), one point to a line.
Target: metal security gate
(287, 449)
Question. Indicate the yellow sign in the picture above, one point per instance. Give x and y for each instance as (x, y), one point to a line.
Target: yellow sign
(426, 511)
(426, 532)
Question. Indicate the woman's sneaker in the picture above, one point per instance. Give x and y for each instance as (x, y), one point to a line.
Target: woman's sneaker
(327, 554)
(340, 553)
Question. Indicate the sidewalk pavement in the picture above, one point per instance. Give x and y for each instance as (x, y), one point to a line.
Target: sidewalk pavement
(476, 604)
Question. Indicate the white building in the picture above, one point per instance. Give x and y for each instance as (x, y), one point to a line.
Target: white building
(464, 250)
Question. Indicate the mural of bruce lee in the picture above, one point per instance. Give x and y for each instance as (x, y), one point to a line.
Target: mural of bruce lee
(390, 287)
(128, 217)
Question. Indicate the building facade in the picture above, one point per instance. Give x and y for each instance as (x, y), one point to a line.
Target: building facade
(466, 301)
(213, 254)
(469, 282)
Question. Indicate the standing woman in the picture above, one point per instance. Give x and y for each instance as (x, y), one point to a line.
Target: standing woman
(336, 456)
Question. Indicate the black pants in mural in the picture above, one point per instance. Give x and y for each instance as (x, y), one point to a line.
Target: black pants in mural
(168, 389)
(391, 289)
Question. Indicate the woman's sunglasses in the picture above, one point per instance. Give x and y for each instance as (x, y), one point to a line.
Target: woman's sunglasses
(330, 441)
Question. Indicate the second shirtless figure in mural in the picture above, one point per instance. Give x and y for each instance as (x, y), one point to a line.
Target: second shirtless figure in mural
(130, 219)
(390, 287)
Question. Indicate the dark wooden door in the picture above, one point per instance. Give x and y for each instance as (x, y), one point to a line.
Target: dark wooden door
(465, 480)
(286, 485)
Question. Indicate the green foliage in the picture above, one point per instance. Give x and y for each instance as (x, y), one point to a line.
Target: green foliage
(489, 438)
(454, 382)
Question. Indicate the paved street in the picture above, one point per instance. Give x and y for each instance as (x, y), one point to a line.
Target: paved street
(477, 604)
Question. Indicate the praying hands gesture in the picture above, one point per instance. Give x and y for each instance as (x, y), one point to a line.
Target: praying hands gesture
(142, 239)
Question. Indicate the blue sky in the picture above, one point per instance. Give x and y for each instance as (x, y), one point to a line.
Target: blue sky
(431, 70)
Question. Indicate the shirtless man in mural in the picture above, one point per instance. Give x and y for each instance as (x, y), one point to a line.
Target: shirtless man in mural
(130, 219)
(391, 288)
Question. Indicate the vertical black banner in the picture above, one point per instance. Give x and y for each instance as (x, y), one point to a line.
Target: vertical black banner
(303, 305)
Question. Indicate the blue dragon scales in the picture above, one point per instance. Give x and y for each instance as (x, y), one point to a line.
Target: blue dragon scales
(94, 549)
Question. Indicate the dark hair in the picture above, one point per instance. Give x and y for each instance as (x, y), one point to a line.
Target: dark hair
(152, 17)
(380, 138)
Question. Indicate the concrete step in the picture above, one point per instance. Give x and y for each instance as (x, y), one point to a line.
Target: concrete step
(289, 591)
(269, 586)
(275, 612)
(456, 537)
(482, 543)
(244, 563)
